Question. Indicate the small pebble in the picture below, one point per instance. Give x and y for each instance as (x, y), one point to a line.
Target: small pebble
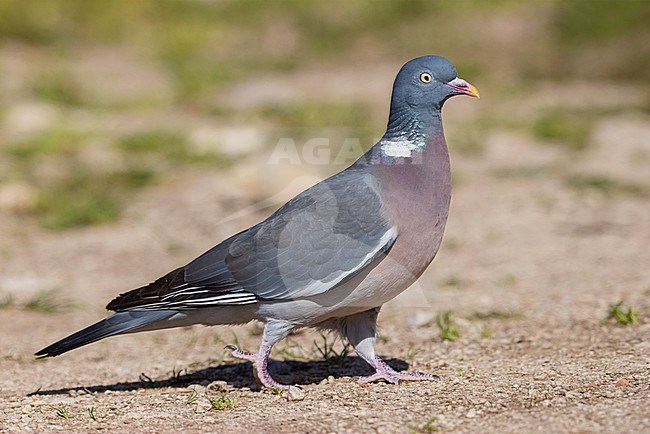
(195, 387)
(295, 394)
(622, 382)
(218, 386)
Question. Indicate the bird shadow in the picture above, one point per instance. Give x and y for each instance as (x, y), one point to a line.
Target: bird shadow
(240, 375)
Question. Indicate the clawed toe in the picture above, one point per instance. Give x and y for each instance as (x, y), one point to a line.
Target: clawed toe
(395, 377)
(236, 352)
(260, 361)
(417, 376)
(388, 374)
(379, 376)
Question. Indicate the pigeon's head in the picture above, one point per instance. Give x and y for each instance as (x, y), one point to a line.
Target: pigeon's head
(427, 82)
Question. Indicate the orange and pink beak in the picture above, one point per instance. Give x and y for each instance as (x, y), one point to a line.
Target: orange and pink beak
(463, 87)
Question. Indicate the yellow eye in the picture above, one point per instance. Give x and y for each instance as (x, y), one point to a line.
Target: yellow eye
(425, 77)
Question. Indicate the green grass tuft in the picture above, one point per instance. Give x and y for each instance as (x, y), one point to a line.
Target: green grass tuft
(430, 426)
(622, 316)
(192, 398)
(448, 329)
(62, 412)
(222, 402)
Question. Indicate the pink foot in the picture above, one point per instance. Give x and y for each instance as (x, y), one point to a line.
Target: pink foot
(236, 352)
(260, 362)
(385, 372)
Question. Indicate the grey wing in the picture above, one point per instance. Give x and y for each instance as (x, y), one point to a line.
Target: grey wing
(318, 240)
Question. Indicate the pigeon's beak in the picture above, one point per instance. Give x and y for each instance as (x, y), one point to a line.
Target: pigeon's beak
(463, 87)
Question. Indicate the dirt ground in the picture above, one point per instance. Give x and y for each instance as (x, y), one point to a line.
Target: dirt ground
(529, 267)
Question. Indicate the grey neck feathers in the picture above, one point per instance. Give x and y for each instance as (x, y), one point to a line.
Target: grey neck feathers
(404, 123)
(409, 131)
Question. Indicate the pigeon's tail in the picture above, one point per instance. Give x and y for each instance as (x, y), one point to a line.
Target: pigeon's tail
(118, 323)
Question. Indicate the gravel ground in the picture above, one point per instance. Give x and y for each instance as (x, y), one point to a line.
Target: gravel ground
(529, 267)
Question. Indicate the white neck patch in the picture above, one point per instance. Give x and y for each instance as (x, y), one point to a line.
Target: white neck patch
(401, 147)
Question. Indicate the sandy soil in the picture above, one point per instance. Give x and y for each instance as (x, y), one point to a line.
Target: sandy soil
(519, 240)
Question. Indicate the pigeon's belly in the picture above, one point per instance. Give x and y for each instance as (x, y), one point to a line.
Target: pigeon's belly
(371, 288)
(377, 284)
(405, 262)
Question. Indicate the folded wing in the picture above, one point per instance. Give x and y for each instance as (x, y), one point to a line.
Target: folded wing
(318, 240)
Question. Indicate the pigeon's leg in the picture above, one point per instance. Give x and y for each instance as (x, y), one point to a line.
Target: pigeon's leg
(361, 331)
(274, 330)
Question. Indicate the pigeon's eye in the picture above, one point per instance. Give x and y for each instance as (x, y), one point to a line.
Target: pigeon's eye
(425, 77)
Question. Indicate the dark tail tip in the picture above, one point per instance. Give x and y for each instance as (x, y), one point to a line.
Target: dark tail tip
(51, 351)
(64, 345)
(118, 323)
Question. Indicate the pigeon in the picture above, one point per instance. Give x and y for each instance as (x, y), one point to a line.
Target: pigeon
(331, 256)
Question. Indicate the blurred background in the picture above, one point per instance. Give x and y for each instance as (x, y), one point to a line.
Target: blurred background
(135, 134)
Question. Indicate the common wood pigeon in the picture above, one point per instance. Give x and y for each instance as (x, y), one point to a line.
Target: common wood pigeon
(330, 257)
